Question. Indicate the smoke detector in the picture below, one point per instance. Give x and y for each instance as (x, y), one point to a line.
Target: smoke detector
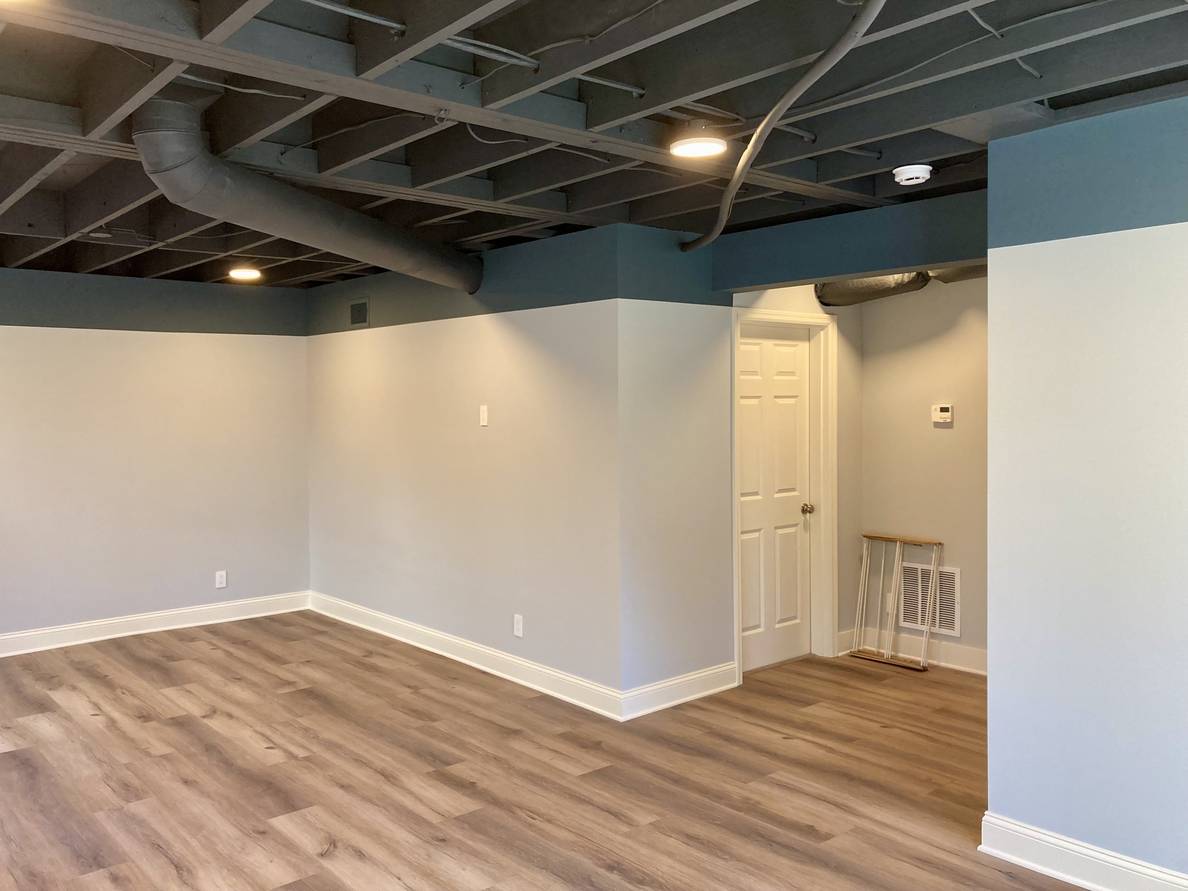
(912, 174)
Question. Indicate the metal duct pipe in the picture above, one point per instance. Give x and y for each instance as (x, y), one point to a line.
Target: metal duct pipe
(859, 290)
(168, 134)
(960, 273)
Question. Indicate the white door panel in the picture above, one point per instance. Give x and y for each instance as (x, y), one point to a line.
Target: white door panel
(772, 451)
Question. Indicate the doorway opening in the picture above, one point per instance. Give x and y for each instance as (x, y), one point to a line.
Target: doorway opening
(785, 486)
(896, 416)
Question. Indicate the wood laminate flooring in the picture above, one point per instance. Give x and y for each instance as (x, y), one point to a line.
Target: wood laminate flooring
(297, 752)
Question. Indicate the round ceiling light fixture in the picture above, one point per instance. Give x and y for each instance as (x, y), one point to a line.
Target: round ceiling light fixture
(99, 233)
(912, 174)
(246, 274)
(697, 141)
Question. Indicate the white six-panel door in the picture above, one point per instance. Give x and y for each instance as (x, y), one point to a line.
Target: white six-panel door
(772, 451)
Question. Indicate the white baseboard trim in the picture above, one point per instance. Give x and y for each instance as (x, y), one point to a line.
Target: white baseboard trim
(650, 698)
(942, 653)
(621, 705)
(17, 642)
(1072, 861)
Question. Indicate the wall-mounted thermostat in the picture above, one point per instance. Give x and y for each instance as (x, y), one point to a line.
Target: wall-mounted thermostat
(943, 414)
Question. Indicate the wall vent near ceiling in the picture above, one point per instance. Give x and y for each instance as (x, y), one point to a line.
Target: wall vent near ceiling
(946, 617)
(359, 314)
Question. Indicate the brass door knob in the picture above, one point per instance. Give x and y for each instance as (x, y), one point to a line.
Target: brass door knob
(807, 508)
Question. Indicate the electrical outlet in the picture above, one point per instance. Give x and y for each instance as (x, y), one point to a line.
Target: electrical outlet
(482, 416)
(221, 578)
(518, 625)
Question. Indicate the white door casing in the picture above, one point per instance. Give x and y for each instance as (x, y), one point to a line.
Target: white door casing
(823, 469)
(772, 451)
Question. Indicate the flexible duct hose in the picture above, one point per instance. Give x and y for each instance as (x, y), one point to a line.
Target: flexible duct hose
(853, 33)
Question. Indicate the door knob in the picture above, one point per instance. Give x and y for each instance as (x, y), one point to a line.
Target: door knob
(807, 508)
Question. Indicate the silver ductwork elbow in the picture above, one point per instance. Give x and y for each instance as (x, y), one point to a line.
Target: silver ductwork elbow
(168, 134)
(853, 291)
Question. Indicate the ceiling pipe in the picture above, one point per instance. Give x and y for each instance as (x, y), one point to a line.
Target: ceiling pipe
(168, 134)
(825, 62)
(853, 291)
(955, 274)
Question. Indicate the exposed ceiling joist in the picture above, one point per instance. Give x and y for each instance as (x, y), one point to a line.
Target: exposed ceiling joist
(403, 123)
(552, 169)
(589, 36)
(269, 51)
(760, 41)
(102, 197)
(958, 46)
(911, 148)
(427, 24)
(24, 167)
(1113, 56)
(114, 84)
(219, 19)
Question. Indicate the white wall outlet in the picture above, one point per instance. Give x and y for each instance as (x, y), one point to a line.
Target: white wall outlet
(482, 416)
(518, 625)
(221, 578)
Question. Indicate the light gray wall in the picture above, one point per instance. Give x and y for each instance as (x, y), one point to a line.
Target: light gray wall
(917, 350)
(420, 513)
(1089, 582)
(597, 503)
(133, 465)
(674, 489)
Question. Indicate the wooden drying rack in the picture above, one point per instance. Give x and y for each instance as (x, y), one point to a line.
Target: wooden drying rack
(888, 614)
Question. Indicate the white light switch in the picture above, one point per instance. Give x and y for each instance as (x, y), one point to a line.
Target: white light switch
(482, 416)
(518, 625)
(221, 578)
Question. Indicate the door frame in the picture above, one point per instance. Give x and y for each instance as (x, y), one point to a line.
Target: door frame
(822, 475)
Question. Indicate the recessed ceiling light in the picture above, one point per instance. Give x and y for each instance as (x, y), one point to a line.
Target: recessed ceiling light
(696, 141)
(246, 274)
(912, 174)
(99, 233)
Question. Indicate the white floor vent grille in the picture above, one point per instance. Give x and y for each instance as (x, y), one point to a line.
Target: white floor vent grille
(947, 617)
